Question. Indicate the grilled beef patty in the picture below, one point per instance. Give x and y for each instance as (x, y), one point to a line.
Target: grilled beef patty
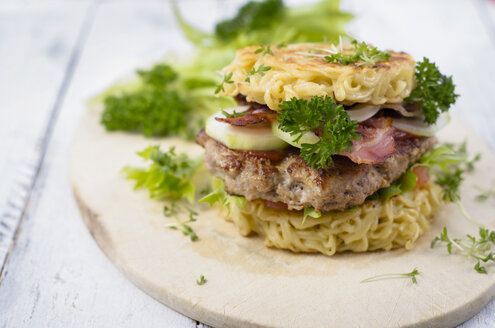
(283, 176)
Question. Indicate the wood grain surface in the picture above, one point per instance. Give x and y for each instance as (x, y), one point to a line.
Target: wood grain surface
(57, 54)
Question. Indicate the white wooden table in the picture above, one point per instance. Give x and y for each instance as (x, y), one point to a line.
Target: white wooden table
(56, 54)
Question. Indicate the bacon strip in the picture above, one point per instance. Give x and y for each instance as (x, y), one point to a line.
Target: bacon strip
(378, 122)
(253, 115)
(374, 146)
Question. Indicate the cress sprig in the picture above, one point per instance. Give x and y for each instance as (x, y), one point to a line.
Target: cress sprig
(362, 54)
(226, 80)
(172, 177)
(359, 54)
(478, 248)
(261, 69)
(234, 114)
(257, 70)
(411, 275)
(485, 194)
(264, 49)
(174, 211)
(202, 280)
(449, 163)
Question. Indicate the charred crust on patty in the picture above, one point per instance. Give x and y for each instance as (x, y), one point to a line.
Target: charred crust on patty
(284, 177)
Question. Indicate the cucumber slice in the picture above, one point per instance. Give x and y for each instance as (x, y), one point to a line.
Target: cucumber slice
(243, 138)
(308, 137)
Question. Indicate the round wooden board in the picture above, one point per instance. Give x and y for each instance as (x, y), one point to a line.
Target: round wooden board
(250, 285)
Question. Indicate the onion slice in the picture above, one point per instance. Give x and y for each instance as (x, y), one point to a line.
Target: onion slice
(417, 126)
(399, 108)
(363, 112)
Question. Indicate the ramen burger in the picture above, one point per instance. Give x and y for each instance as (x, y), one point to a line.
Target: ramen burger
(322, 152)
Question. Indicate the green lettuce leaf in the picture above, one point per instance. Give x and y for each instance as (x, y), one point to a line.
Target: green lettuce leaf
(169, 175)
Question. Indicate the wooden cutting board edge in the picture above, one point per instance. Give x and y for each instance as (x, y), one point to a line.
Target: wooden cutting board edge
(97, 229)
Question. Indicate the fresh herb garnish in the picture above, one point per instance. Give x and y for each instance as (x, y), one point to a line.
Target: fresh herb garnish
(168, 176)
(405, 183)
(449, 166)
(269, 22)
(411, 275)
(226, 79)
(258, 22)
(201, 280)
(252, 16)
(434, 93)
(362, 54)
(260, 70)
(448, 163)
(152, 109)
(461, 151)
(159, 76)
(264, 50)
(205, 191)
(220, 196)
(450, 183)
(478, 248)
(300, 116)
(484, 195)
(173, 211)
(234, 114)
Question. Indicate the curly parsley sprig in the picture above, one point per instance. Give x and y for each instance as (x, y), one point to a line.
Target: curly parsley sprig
(337, 130)
(154, 108)
(434, 93)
